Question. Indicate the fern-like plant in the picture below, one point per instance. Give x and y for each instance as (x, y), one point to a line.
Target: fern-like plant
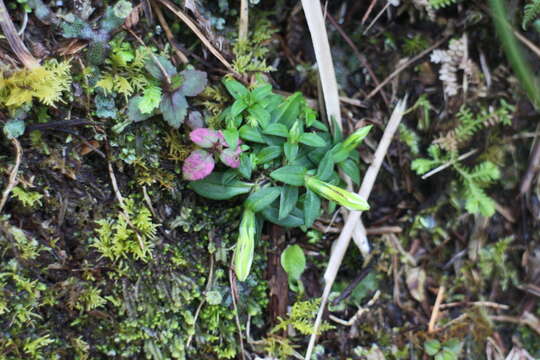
(473, 180)
(439, 4)
(44, 83)
(530, 12)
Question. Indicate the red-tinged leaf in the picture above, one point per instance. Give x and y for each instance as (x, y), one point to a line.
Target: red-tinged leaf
(194, 82)
(198, 165)
(231, 157)
(204, 137)
(174, 108)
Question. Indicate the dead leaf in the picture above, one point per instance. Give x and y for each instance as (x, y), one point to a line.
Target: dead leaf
(416, 280)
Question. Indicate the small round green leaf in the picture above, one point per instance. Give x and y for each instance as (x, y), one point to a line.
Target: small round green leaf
(293, 261)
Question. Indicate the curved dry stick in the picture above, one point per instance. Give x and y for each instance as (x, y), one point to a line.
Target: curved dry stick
(14, 40)
(13, 175)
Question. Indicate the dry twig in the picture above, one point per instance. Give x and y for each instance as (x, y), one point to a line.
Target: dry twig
(13, 175)
(342, 242)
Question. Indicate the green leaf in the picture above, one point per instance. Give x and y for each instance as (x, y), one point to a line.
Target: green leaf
(477, 201)
(231, 137)
(268, 153)
(453, 345)
(150, 99)
(290, 174)
(290, 150)
(312, 139)
(319, 125)
(276, 129)
(262, 198)
(133, 112)
(287, 201)
(259, 113)
(236, 89)
(246, 166)
(238, 106)
(326, 167)
(214, 187)
(251, 134)
(294, 219)
(194, 82)
(289, 110)
(14, 128)
(352, 170)
(293, 261)
(243, 253)
(259, 93)
(174, 108)
(152, 67)
(312, 208)
(432, 347)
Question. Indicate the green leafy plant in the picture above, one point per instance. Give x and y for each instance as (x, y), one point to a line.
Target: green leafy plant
(100, 35)
(293, 262)
(45, 83)
(530, 12)
(301, 318)
(474, 180)
(448, 350)
(129, 234)
(27, 198)
(277, 157)
(250, 54)
(166, 93)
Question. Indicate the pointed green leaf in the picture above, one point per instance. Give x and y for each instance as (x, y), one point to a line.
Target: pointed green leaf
(294, 219)
(326, 167)
(312, 208)
(231, 137)
(214, 187)
(287, 201)
(276, 129)
(268, 153)
(236, 89)
(259, 200)
(290, 150)
(312, 139)
(290, 174)
(251, 134)
(350, 168)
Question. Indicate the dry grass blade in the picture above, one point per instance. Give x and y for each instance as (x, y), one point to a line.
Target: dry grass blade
(187, 20)
(315, 20)
(344, 239)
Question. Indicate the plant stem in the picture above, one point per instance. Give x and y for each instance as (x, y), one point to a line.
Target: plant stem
(15, 42)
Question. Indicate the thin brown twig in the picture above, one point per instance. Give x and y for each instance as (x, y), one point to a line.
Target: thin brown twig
(404, 66)
(359, 56)
(154, 58)
(436, 308)
(342, 243)
(13, 175)
(187, 20)
(368, 11)
(168, 33)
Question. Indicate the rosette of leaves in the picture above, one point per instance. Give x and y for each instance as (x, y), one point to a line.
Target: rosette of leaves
(167, 93)
(287, 167)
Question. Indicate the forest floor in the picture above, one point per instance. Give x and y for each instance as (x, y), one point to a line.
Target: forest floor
(111, 248)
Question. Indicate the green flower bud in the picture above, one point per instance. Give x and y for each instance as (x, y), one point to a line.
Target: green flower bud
(334, 193)
(243, 254)
(353, 140)
(341, 151)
